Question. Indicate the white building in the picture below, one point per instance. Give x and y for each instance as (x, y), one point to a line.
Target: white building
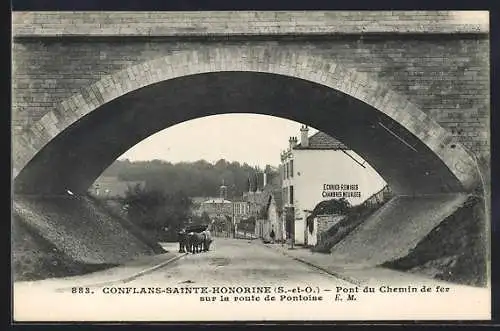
(321, 168)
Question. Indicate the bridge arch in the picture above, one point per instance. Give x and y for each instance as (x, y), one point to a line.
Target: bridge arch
(446, 163)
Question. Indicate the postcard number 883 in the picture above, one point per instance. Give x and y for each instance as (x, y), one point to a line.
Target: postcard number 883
(81, 290)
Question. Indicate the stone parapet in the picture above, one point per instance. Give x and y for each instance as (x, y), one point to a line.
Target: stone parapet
(223, 23)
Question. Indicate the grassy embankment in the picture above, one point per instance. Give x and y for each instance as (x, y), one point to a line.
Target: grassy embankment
(455, 250)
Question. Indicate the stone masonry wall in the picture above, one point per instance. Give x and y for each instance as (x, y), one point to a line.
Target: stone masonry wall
(447, 77)
(246, 23)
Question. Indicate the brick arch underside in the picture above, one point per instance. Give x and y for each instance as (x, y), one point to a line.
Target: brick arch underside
(80, 152)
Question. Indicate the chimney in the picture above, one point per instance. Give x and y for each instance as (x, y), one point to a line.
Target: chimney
(304, 138)
(249, 184)
(265, 179)
(260, 178)
(292, 142)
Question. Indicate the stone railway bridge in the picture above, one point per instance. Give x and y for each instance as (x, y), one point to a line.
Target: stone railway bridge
(408, 91)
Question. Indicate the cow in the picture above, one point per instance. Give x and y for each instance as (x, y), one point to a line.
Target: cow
(195, 242)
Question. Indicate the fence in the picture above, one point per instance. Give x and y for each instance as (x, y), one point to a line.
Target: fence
(222, 234)
(378, 198)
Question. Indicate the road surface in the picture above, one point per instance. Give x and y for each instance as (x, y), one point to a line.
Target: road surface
(236, 280)
(236, 261)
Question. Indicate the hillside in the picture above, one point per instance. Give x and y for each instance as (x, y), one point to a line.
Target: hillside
(395, 229)
(455, 250)
(65, 235)
(199, 178)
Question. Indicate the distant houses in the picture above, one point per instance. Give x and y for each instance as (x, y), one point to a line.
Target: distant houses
(216, 207)
(317, 168)
(243, 210)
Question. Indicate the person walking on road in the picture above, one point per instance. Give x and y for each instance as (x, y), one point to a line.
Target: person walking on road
(181, 237)
(272, 235)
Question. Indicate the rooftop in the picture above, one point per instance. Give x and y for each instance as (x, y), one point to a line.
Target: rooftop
(278, 199)
(217, 200)
(321, 140)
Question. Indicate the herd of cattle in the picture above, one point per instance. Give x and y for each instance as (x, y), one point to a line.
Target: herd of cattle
(194, 242)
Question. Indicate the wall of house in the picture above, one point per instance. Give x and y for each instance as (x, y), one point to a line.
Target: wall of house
(217, 208)
(327, 174)
(321, 224)
(312, 238)
(275, 221)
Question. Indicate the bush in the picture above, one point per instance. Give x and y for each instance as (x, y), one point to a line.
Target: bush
(156, 211)
(328, 207)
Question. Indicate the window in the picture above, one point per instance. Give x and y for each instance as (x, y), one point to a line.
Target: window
(291, 168)
(291, 195)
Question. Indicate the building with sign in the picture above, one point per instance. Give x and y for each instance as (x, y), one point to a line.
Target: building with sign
(321, 168)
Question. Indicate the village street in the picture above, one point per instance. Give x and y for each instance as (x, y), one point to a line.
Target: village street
(206, 286)
(145, 288)
(236, 262)
(229, 262)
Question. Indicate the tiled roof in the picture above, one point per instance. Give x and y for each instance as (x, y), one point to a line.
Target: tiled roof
(321, 140)
(278, 199)
(199, 199)
(259, 198)
(217, 200)
(276, 195)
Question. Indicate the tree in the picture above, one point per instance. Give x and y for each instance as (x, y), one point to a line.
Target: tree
(199, 178)
(328, 207)
(255, 182)
(154, 210)
(204, 219)
(247, 224)
(248, 186)
(332, 206)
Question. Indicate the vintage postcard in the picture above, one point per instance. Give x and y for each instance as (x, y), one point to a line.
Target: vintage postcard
(251, 166)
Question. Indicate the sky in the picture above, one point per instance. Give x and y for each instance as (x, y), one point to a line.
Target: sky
(255, 139)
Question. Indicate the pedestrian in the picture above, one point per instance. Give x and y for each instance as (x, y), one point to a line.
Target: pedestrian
(181, 237)
(272, 235)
